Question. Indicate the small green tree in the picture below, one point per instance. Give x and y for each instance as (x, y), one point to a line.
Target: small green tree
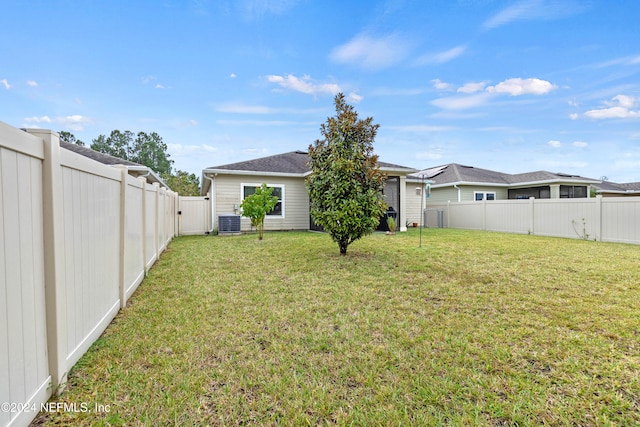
(345, 185)
(257, 206)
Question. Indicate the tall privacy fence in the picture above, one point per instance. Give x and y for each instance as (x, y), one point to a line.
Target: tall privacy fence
(606, 219)
(76, 239)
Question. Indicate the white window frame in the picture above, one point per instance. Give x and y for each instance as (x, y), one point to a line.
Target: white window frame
(484, 195)
(270, 185)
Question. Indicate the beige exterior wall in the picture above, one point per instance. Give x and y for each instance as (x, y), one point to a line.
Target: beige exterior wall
(228, 194)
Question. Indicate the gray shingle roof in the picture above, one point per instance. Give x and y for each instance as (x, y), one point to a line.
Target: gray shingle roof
(608, 186)
(456, 173)
(95, 155)
(294, 162)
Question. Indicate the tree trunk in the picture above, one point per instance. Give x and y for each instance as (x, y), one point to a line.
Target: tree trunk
(343, 248)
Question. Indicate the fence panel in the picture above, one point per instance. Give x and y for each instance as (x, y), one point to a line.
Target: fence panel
(466, 215)
(621, 219)
(134, 262)
(24, 370)
(569, 218)
(91, 211)
(508, 216)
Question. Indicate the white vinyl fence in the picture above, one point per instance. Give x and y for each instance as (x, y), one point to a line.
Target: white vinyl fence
(76, 239)
(606, 219)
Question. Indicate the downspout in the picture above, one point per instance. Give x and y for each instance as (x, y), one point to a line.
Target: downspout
(212, 205)
(459, 190)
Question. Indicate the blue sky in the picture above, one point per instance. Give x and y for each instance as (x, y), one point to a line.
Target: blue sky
(513, 86)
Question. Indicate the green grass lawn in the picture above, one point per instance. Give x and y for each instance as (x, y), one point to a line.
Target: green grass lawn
(473, 328)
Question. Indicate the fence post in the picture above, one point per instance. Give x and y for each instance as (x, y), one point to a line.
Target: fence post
(156, 239)
(599, 217)
(143, 212)
(54, 261)
(532, 213)
(123, 233)
(484, 213)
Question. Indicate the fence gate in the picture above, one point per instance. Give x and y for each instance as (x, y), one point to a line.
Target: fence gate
(194, 215)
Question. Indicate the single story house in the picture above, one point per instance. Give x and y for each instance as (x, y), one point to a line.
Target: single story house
(613, 189)
(457, 183)
(227, 185)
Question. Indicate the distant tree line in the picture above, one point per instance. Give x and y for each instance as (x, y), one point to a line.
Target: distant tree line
(147, 149)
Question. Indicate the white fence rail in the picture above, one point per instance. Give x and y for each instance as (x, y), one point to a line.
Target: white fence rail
(608, 219)
(76, 238)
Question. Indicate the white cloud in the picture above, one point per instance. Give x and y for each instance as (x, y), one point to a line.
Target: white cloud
(518, 86)
(43, 119)
(472, 87)
(304, 84)
(372, 53)
(440, 85)
(461, 102)
(159, 86)
(442, 57)
(574, 116)
(473, 94)
(620, 107)
(580, 144)
(233, 75)
(74, 122)
(554, 144)
(354, 97)
(528, 10)
(5, 83)
(32, 83)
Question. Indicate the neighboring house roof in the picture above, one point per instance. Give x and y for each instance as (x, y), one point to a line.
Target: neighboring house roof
(103, 158)
(134, 169)
(454, 173)
(616, 188)
(293, 164)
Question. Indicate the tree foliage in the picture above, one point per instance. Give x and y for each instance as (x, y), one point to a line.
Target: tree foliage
(146, 149)
(70, 138)
(345, 185)
(257, 206)
(183, 183)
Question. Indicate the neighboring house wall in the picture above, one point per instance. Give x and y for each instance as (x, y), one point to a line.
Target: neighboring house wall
(74, 237)
(228, 195)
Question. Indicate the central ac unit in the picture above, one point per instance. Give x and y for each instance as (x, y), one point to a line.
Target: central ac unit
(228, 224)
